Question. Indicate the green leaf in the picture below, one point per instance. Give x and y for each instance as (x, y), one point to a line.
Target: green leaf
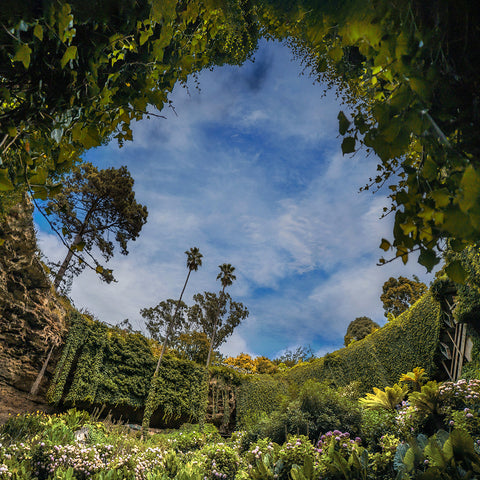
(70, 54)
(441, 197)
(2, 241)
(38, 32)
(64, 231)
(23, 55)
(428, 258)
(456, 272)
(5, 183)
(336, 53)
(80, 246)
(385, 245)
(348, 145)
(99, 269)
(470, 189)
(343, 123)
(40, 192)
(38, 176)
(430, 169)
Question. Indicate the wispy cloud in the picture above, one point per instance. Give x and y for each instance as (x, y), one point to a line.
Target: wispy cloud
(250, 172)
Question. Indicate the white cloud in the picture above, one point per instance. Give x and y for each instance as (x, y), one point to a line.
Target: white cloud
(253, 177)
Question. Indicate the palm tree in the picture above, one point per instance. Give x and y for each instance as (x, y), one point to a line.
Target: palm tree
(226, 277)
(194, 260)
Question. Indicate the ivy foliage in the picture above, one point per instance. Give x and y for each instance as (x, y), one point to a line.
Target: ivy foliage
(102, 365)
(410, 73)
(381, 358)
(71, 80)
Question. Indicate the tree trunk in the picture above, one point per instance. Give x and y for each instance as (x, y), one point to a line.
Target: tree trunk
(170, 327)
(210, 350)
(148, 411)
(38, 380)
(61, 272)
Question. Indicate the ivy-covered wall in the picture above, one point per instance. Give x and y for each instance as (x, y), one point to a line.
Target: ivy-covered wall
(378, 360)
(108, 366)
(410, 340)
(101, 365)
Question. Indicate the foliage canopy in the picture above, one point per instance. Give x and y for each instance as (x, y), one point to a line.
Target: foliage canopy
(70, 81)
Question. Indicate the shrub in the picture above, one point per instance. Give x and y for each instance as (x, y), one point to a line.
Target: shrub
(326, 409)
(219, 461)
(375, 424)
(293, 452)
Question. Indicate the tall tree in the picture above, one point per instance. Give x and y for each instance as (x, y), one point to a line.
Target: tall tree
(217, 316)
(226, 278)
(194, 261)
(93, 205)
(401, 293)
(159, 318)
(359, 328)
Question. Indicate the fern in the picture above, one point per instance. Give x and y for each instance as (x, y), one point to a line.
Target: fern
(387, 399)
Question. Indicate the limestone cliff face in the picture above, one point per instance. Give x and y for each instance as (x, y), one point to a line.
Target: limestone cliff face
(31, 318)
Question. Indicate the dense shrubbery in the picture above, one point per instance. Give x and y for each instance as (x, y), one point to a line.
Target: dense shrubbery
(435, 432)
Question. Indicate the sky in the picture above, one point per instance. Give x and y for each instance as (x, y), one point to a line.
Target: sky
(249, 169)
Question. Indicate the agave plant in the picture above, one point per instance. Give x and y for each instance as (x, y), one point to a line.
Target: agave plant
(387, 399)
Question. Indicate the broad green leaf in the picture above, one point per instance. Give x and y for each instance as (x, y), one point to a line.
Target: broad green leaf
(99, 269)
(470, 189)
(40, 192)
(348, 145)
(70, 54)
(428, 259)
(343, 123)
(38, 176)
(430, 169)
(163, 10)
(409, 228)
(38, 32)
(421, 88)
(441, 197)
(80, 246)
(457, 223)
(23, 55)
(5, 183)
(385, 245)
(2, 241)
(456, 272)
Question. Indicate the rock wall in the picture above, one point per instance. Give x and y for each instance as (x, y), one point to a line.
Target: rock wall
(32, 319)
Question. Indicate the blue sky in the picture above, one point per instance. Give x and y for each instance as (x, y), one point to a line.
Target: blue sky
(250, 170)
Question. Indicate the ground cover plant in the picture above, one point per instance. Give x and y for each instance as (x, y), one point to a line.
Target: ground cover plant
(426, 430)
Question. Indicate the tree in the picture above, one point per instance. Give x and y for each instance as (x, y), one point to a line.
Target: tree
(73, 77)
(226, 278)
(219, 314)
(194, 346)
(93, 205)
(291, 357)
(401, 293)
(160, 317)
(194, 261)
(359, 328)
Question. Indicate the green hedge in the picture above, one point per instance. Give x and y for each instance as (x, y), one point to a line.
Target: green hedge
(101, 365)
(378, 360)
